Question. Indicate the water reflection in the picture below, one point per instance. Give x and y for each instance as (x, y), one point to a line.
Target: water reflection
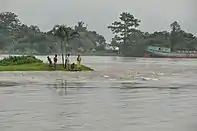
(60, 84)
(8, 83)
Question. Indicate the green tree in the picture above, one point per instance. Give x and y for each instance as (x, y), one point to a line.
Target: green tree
(125, 28)
(175, 34)
(158, 39)
(65, 34)
(34, 29)
(114, 43)
(175, 26)
(80, 27)
(8, 21)
(179, 38)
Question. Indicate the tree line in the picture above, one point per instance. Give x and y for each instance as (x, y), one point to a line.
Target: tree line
(133, 42)
(18, 38)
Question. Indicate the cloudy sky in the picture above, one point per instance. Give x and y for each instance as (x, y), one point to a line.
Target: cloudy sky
(98, 14)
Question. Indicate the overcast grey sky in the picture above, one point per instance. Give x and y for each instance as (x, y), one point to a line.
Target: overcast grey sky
(155, 15)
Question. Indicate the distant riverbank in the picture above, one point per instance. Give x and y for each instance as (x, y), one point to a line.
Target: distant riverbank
(100, 53)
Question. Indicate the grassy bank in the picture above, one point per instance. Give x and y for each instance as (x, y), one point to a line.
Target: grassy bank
(31, 63)
(38, 67)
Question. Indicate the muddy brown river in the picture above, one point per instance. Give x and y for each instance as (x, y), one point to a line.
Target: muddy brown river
(122, 94)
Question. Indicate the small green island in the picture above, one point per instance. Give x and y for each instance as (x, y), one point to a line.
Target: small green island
(31, 63)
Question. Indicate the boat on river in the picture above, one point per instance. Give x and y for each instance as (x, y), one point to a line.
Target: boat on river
(164, 52)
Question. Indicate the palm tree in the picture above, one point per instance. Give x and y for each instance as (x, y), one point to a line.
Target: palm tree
(64, 33)
(70, 35)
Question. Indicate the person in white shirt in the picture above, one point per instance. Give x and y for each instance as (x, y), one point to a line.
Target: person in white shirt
(67, 61)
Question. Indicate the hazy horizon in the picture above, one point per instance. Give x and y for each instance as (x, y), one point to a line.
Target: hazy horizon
(156, 15)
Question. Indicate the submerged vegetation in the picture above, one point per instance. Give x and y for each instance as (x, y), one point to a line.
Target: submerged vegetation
(31, 63)
(18, 38)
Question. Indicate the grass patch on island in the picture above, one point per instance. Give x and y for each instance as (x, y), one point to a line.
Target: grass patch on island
(31, 63)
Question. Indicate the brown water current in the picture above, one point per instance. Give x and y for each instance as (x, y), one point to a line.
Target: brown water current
(122, 94)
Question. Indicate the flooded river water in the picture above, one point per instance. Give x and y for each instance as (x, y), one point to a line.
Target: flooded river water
(122, 94)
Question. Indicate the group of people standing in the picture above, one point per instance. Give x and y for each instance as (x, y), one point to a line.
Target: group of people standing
(67, 64)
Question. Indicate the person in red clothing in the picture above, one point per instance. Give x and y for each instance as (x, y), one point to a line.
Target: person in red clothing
(55, 60)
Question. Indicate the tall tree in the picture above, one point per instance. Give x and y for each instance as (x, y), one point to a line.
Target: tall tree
(80, 27)
(175, 26)
(9, 20)
(65, 34)
(175, 34)
(34, 28)
(125, 27)
(125, 30)
(114, 43)
(70, 35)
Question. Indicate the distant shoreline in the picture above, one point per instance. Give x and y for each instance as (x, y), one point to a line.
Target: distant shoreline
(74, 54)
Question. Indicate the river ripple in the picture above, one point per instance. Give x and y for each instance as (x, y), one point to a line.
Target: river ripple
(121, 94)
